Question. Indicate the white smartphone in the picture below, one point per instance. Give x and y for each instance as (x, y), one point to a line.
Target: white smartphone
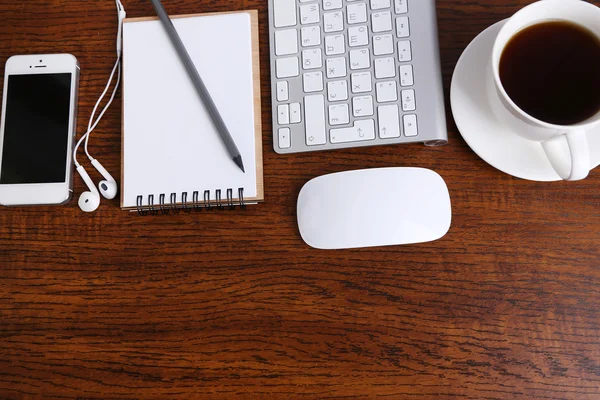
(37, 130)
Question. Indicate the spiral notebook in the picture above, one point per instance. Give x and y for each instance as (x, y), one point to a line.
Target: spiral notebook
(172, 156)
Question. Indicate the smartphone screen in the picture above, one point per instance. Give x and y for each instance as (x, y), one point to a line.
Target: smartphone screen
(36, 129)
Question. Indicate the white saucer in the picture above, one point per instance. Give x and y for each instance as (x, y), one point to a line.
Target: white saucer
(485, 135)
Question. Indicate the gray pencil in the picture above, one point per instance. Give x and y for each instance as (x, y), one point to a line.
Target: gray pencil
(200, 88)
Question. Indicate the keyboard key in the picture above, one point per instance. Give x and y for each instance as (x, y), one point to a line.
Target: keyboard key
(404, 51)
(287, 67)
(283, 93)
(286, 42)
(285, 138)
(336, 67)
(333, 22)
(383, 44)
(362, 106)
(314, 120)
(389, 121)
(361, 82)
(406, 75)
(313, 82)
(339, 114)
(362, 130)
(283, 114)
(385, 68)
(332, 5)
(284, 12)
(408, 100)
(401, 6)
(311, 36)
(357, 13)
(309, 14)
(337, 90)
(335, 45)
(295, 113)
(386, 91)
(358, 36)
(410, 125)
(381, 21)
(312, 59)
(360, 59)
(380, 4)
(402, 28)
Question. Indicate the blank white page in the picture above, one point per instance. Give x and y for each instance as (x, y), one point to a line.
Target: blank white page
(170, 144)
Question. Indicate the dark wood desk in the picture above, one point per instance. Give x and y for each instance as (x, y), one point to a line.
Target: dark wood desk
(234, 304)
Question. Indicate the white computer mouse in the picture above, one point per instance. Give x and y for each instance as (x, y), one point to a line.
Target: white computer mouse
(374, 207)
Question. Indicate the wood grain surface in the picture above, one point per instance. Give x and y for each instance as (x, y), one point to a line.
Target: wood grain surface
(233, 305)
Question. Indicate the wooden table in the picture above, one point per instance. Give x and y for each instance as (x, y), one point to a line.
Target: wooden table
(234, 304)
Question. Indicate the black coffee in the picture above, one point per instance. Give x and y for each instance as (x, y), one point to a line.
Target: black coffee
(552, 72)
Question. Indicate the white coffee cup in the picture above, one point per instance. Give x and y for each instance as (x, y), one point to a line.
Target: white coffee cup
(566, 146)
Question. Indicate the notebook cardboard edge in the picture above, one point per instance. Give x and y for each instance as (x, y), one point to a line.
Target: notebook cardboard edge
(260, 196)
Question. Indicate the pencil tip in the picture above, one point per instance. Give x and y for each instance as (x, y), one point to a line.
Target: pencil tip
(238, 161)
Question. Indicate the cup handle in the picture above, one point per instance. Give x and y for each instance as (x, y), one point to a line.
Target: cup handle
(580, 155)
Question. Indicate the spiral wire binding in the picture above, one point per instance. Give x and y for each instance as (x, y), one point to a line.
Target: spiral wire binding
(165, 208)
(174, 203)
(185, 207)
(161, 203)
(230, 204)
(152, 211)
(241, 198)
(207, 204)
(196, 202)
(218, 199)
(140, 207)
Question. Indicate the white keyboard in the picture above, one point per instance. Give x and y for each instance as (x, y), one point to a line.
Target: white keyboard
(348, 73)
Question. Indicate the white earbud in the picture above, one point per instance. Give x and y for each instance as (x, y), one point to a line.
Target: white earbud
(108, 187)
(88, 201)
